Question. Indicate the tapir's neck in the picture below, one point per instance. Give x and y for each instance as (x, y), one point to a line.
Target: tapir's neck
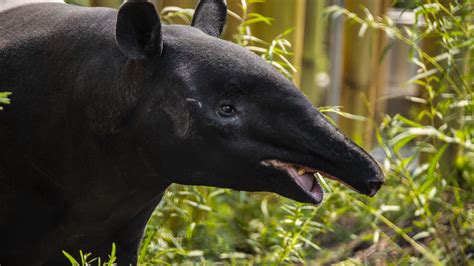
(121, 171)
(120, 186)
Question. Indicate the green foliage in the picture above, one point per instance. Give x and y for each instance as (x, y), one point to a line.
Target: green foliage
(424, 213)
(430, 155)
(175, 15)
(4, 99)
(87, 258)
(429, 161)
(275, 52)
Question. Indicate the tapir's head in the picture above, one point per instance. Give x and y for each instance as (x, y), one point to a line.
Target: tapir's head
(216, 114)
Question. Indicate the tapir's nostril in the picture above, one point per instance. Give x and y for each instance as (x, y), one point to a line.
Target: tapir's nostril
(374, 186)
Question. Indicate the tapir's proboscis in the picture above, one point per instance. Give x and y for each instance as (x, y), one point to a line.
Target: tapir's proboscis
(110, 107)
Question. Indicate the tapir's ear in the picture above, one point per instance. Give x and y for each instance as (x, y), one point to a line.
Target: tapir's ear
(210, 16)
(138, 30)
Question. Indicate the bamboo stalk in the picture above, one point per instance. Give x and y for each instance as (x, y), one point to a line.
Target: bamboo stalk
(314, 59)
(106, 3)
(379, 83)
(231, 26)
(361, 69)
(299, 40)
(180, 3)
(82, 2)
(287, 14)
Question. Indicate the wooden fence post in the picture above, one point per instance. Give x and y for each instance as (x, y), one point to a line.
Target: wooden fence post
(287, 14)
(314, 59)
(107, 3)
(361, 74)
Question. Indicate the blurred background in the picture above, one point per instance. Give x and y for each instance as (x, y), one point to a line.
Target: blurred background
(395, 76)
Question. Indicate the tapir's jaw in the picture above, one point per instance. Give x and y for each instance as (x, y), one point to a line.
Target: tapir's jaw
(302, 148)
(302, 176)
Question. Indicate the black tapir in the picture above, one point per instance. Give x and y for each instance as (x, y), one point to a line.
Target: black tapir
(111, 107)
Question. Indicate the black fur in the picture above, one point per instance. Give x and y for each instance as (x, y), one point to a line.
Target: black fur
(103, 119)
(210, 16)
(138, 31)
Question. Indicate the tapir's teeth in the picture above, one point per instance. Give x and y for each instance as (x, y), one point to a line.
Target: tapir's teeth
(301, 171)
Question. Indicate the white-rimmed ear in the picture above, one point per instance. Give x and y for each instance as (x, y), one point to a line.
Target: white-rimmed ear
(138, 30)
(210, 16)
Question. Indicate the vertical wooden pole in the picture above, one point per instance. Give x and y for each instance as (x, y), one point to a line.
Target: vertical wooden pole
(81, 2)
(287, 14)
(180, 3)
(107, 3)
(379, 82)
(298, 42)
(314, 60)
(157, 3)
(361, 70)
(336, 55)
(232, 23)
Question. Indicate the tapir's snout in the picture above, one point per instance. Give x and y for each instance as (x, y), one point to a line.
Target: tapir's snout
(374, 186)
(361, 173)
(313, 145)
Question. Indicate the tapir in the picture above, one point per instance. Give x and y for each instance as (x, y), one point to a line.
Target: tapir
(110, 107)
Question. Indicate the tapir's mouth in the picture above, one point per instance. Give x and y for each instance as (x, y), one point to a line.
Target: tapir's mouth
(304, 177)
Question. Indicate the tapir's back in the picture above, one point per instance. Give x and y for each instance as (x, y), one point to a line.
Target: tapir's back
(47, 36)
(37, 20)
(52, 55)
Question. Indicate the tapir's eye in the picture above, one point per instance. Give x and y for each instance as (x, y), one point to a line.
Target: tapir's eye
(226, 110)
